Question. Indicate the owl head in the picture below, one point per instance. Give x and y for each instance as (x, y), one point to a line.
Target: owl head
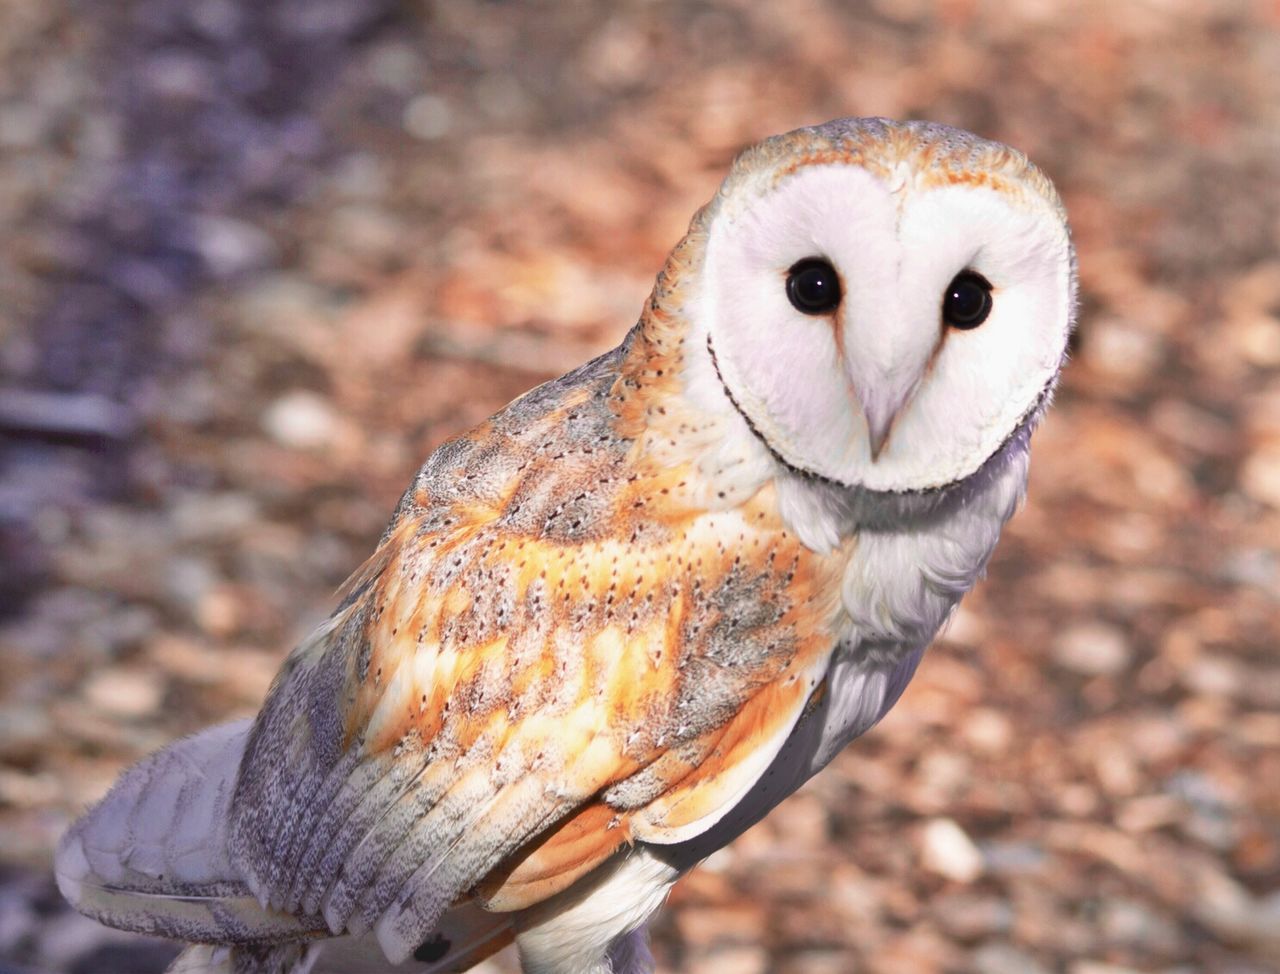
(884, 304)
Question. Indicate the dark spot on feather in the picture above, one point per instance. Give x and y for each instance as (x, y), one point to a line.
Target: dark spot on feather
(430, 951)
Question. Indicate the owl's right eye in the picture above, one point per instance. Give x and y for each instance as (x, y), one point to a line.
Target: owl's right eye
(813, 286)
(967, 301)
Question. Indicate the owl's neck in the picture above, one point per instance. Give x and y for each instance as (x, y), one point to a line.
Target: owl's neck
(669, 402)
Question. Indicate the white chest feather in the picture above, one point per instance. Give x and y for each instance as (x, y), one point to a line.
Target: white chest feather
(905, 576)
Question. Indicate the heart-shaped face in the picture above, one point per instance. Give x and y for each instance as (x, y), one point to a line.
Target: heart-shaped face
(887, 312)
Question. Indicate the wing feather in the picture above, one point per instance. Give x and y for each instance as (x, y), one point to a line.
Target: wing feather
(537, 666)
(555, 859)
(420, 894)
(373, 876)
(337, 826)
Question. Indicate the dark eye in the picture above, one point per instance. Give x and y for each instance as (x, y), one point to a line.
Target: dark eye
(813, 286)
(967, 301)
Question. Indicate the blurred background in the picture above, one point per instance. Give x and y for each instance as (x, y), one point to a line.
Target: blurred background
(259, 258)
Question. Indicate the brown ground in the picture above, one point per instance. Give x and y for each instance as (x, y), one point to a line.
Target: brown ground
(259, 258)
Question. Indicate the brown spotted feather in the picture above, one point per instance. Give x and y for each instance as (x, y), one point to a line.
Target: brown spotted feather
(558, 647)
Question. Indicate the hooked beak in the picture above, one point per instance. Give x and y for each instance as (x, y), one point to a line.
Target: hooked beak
(880, 412)
(885, 366)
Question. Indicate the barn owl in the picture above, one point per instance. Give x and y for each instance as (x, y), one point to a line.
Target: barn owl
(610, 628)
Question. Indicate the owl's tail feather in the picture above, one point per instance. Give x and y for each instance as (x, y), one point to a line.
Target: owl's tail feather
(221, 959)
(467, 936)
(152, 857)
(463, 942)
(202, 959)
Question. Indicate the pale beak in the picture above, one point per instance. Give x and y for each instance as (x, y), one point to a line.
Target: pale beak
(880, 412)
(886, 355)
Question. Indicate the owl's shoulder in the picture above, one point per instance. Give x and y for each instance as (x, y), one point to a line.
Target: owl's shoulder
(562, 430)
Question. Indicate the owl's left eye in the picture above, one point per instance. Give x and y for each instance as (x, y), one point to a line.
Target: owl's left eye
(813, 286)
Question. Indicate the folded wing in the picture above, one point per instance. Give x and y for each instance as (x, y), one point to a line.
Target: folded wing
(558, 649)
(495, 714)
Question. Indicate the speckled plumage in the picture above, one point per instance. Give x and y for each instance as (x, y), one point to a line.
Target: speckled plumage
(540, 635)
(604, 633)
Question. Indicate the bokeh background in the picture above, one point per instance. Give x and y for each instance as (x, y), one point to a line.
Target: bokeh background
(258, 259)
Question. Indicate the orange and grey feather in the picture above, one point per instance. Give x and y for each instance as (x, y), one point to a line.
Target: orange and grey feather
(540, 664)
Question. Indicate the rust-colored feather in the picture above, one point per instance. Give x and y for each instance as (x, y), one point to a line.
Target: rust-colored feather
(555, 604)
(555, 860)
